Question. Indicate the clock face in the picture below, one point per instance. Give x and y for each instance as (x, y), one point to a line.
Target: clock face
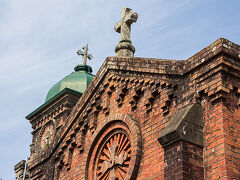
(114, 157)
(47, 136)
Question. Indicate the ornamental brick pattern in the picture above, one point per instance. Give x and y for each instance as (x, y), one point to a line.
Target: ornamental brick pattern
(141, 98)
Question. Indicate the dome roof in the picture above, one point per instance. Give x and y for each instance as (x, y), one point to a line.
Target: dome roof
(78, 81)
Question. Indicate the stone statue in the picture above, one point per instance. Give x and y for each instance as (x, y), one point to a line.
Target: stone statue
(125, 47)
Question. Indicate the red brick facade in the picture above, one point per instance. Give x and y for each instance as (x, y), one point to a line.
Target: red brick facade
(128, 107)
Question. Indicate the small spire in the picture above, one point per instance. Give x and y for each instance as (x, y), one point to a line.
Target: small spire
(85, 54)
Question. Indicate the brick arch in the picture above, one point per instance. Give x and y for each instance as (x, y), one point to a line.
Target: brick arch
(110, 124)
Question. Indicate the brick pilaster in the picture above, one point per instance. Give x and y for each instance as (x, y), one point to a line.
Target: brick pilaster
(182, 141)
(221, 149)
(183, 160)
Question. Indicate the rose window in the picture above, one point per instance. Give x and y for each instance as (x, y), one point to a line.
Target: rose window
(114, 157)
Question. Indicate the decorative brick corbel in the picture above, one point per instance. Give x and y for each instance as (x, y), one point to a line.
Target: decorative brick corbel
(69, 155)
(81, 140)
(238, 97)
(136, 94)
(168, 96)
(93, 120)
(121, 93)
(151, 95)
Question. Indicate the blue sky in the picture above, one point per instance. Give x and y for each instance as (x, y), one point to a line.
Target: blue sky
(39, 40)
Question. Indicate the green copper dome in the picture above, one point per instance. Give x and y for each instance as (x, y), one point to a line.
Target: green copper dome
(78, 81)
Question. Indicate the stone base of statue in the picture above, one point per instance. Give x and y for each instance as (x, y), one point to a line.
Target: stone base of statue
(125, 48)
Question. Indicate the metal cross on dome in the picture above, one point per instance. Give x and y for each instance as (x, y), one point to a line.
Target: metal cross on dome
(85, 54)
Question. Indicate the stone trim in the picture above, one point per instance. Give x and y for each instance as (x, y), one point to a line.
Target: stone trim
(186, 125)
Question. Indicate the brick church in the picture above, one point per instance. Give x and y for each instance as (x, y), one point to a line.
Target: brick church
(140, 118)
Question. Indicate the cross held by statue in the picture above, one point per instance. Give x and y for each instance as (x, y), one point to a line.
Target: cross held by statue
(85, 54)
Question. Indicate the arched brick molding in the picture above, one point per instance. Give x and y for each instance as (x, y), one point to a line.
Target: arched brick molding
(111, 128)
